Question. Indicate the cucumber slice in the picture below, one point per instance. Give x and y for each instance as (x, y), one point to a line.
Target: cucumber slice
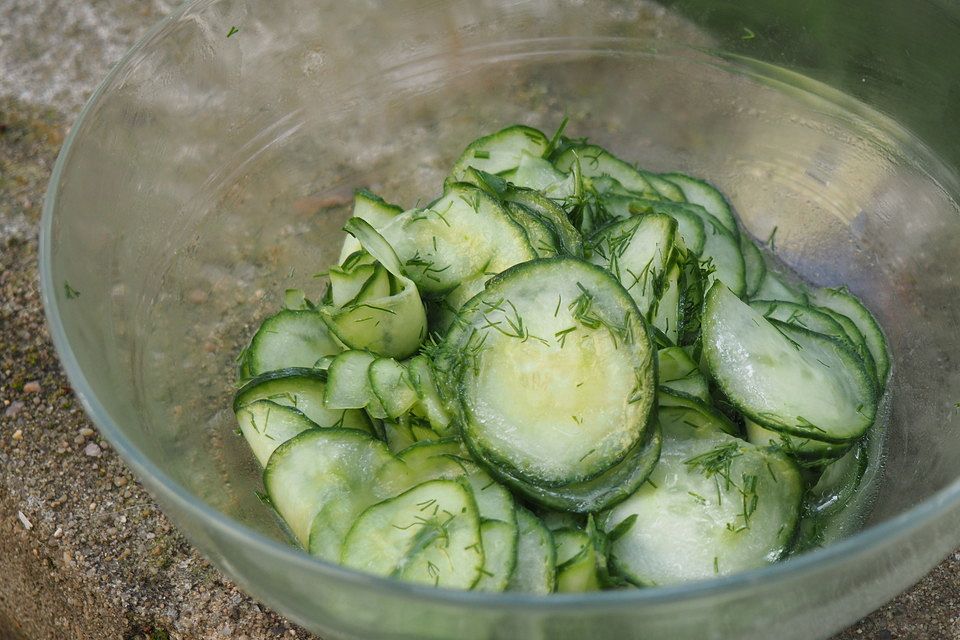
(430, 535)
(775, 287)
(665, 311)
(303, 390)
(714, 505)
(639, 252)
(539, 233)
(754, 265)
(290, 338)
(576, 562)
(392, 386)
(374, 210)
(536, 568)
(554, 371)
(854, 337)
(429, 402)
(666, 189)
(500, 555)
(348, 384)
(677, 371)
(689, 225)
(266, 425)
(346, 285)
(804, 450)
(707, 196)
(677, 407)
(596, 162)
(838, 483)
(784, 377)
(500, 152)
(803, 316)
(540, 175)
(465, 234)
(602, 492)
(843, 302)
(320, 467)
(392, 325)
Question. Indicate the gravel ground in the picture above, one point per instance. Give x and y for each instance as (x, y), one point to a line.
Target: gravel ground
(84, 551)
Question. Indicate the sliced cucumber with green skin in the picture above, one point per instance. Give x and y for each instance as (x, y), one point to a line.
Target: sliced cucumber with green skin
(266, 425)
(393, 325)
(501, 151)
(666, 189)
(348, 384)
(707, 196)
(677, 371)
(540, 175)
(303, 390)
(596, 161)
(500, 540)
(677, 407)
(805, 450)
(289, 339)
(374, 210)
(391, 384)
(512, 358)
(639, 252)
(720, 247)
(536, 568)
(754, 265)
(539, 233)
(430, 534)
(319, 467)
(602, 492)
(346, 285)
(784, 377)
(775, 287)
(802, 316)
(429, 403)
(465, 234)
(842, 301)
(689, 225)
(665, 311)
(714, 505)
(854, 337)
(576, 564)
(838, 482)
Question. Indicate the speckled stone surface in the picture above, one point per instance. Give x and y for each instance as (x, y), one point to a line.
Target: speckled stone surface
(84, 551)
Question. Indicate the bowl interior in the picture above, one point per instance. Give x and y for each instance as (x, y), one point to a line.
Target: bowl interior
(211, 174)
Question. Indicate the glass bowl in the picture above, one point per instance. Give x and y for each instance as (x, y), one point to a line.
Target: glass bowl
(213, 169)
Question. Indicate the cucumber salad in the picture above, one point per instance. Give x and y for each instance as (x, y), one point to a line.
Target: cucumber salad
(564, 374)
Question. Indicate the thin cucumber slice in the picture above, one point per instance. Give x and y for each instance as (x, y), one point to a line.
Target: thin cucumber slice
(390, 382)
(665, 311)
(784, 377)
(500, 152)
(576, 564)
(391, 326)
(346, 285)
(540, 234)
(802, 316)
(775, 287)
(290, 338)
(429, 403)
(602, 492)
(500, 542)
(430, 535)
(639, 252)
(666, 189)
(714, 505)
(689, 225)
(536, 569)
(465, 234)
(804, 450)
(553, 370)
(320, 467)
(754, 264)
(677, 407)
(693, 283)
(398, 435)
(677, 371)
(266, 425)
(540, 175)
(707, 196)
(303, 390)
(596, 162)
(838, 482)
(374, 210)
(842, 301)
(348, 384)
(854, 337)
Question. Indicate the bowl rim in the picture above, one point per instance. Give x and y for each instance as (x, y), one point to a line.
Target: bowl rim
(172, 492)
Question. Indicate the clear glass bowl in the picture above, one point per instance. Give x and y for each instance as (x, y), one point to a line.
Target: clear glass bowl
(210, 172)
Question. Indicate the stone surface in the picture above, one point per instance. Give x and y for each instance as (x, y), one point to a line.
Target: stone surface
(84, 551)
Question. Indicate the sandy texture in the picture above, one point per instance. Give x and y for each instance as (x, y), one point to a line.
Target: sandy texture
(84, 552)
